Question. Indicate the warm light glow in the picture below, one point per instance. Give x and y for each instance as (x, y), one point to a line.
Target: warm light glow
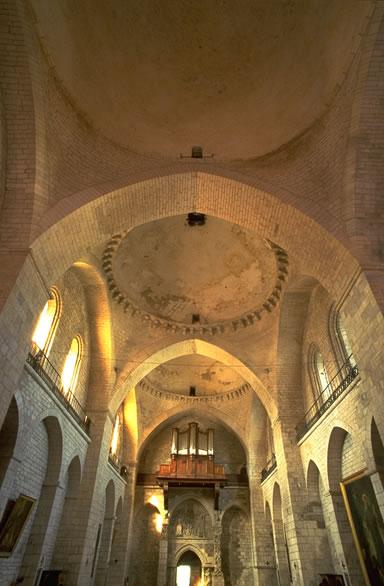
(154, 501)
(44, 324)
(159, 523)
(130, 419)
(183, 575)
(70, 370)
(115, 436)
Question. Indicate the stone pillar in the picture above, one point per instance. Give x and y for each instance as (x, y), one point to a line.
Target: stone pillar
(120, 555)
(218, 578)
(281, 552)
(89, 507)
(105, 550)
(163, 556)
(263, 562)
(293, 503)
(172, 576)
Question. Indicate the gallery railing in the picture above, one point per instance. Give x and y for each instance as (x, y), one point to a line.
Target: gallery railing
(340, 382)
(270, 466)
(117, 464)
(47, 372)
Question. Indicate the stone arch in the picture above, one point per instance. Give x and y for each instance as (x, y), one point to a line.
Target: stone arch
(132, 375)
(230, 199)
(68, 515)
(146, 548)
(196, 550)
(343, 538)
(176, 413)
(334, 457)
(178, 502)
(106, 534)
(194, 511)
(236, 547)
(42, 521)
(101, 351)
(314, 514)
(271, 558)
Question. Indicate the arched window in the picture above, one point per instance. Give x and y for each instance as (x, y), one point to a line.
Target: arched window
(72, 365)
(322, 375)
(344, 341)
(44, 332)
(340, 342)
(115, 436)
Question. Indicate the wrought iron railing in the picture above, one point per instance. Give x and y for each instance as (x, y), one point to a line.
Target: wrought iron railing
(47, 372)
(117, 464)
(340, 382)
(270, 466)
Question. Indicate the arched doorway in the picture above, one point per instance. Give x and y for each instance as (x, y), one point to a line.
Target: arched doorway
(189, 570)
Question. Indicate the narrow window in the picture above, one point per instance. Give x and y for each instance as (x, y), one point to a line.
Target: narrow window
(322, 374)
(44, 332)
(344, 341)
(115, 436)
(71, 366)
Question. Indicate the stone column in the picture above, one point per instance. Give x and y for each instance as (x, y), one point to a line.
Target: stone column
(218, 578)
(294, 500)
(120, 555)
(88, 512)
(263, 562)
(105, 551)
(163, 556)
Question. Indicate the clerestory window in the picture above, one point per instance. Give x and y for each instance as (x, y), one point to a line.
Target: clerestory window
(46, 325)
(72, 366)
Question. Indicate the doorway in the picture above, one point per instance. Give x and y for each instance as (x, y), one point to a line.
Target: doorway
(188, 571)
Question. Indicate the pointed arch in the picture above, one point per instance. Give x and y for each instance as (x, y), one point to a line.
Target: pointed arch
(131, 375)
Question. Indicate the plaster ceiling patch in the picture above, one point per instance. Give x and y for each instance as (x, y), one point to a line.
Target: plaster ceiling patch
(195, 280)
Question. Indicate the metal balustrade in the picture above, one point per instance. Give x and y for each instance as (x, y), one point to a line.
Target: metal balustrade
(270, 466)
(47, 372)
(339, 383)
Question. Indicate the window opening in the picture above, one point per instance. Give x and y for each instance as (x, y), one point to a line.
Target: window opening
(71, 366)
(322, 373)
(45, 328)
(115, 436)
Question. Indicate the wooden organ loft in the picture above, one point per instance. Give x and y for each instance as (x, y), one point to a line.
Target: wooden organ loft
(192, 462)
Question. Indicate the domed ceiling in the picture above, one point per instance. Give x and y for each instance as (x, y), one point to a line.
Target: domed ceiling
(193, 274)
(208, 376)
(239, 78)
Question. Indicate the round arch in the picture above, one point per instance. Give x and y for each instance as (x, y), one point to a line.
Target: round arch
(231, 199)
(178, 412)
(130, 376)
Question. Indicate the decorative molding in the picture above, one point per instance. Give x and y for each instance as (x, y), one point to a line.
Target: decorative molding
(169, 396)
(243, 321)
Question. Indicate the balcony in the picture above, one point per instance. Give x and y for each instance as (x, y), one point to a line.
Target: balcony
(49, 375)
(340, 382)
(270, 466)
(117, 464)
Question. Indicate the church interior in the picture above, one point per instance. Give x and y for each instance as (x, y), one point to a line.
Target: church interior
(191, 292)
